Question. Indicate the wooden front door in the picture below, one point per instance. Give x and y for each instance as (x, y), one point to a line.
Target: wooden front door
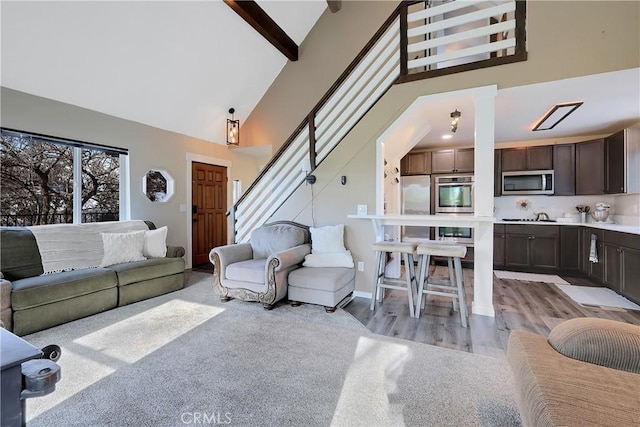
(209, 198)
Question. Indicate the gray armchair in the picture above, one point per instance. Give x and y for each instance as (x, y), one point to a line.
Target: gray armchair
(258, 270)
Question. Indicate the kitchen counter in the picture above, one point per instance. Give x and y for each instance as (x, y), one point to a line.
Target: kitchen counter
(450, 220)
(482, 268)
(601, 225)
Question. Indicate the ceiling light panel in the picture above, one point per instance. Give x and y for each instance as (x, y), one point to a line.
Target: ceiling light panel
(555, 115)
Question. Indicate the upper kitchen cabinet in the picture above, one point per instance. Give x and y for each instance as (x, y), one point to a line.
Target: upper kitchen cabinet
(447, 161)
(622, 162)
(590, 167)
(527, 158)
(610, 165)
(614, 171)
(564, 159)
(416, 163)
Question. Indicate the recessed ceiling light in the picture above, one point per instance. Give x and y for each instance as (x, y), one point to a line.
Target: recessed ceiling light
(555, 115)
(447, 136)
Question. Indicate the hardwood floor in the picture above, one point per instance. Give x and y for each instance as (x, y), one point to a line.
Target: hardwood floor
(532, 306)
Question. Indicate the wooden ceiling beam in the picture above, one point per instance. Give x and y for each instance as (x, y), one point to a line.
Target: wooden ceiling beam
(255, 16)
(334, 5)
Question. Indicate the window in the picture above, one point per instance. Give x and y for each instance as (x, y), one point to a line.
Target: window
(47, 180)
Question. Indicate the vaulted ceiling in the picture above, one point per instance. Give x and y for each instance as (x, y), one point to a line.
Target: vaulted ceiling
(175, 65)
(180, 66)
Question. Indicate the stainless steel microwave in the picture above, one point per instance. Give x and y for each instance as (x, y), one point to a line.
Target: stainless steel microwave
(527, 182)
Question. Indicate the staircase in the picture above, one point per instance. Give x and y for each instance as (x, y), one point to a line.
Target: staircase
(419, 40)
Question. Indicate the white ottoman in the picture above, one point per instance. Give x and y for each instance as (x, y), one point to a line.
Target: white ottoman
(325, 286)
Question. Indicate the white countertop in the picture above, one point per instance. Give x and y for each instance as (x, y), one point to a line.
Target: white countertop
(473, 221)
(602, 225)
(427, 220)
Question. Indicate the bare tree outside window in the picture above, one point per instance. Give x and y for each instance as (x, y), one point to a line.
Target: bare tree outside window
(38, 180)
(100, 186)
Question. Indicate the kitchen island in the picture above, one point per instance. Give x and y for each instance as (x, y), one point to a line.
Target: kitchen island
(483, 245)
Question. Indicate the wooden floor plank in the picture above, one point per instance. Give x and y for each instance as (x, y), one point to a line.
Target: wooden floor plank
(533, 306)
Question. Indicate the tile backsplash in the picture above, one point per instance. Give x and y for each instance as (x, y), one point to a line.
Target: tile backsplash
(628, 209)
(554, 206)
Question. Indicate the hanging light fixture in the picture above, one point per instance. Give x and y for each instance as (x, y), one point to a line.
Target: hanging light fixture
(233, 129)
(455, 118)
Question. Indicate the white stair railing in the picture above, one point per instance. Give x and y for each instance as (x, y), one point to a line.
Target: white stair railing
(415, 42)
(371, 77)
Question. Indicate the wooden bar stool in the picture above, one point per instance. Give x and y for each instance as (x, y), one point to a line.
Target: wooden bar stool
(451, 287)
(382, 282)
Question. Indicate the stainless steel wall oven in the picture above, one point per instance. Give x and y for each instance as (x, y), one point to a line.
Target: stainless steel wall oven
(454, 194)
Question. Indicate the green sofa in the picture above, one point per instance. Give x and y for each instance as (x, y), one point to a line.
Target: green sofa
(32, 301)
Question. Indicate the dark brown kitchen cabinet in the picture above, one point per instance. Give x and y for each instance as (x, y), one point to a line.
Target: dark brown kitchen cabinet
(564, 160)
(622, 263)
(570, 248)
(540, 157)
(593, 270)
(497, 174)
(532, 247)
(448, 161)
(614, 171)
(527, 158)
(612, 266)
(631, 274)
(416, 163)
(514, 159)
(499, 239)
(590, 167)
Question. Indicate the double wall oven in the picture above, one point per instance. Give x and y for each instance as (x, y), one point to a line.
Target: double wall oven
(454, 195)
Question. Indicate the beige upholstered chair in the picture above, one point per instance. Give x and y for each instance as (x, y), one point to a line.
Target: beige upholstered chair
(259, 270)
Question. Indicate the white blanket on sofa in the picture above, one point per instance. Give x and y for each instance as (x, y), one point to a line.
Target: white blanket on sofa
(65, 247)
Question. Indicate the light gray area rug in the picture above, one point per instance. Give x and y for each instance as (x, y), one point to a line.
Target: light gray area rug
(187, 359)
(596, 296)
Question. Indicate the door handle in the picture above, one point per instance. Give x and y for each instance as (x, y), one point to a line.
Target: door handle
(194, 209)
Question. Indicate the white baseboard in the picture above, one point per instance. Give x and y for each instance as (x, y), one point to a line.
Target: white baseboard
(362, 294)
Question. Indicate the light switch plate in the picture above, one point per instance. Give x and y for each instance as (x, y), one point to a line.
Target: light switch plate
(362, 209)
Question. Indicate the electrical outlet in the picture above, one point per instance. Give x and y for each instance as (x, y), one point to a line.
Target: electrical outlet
(362, 209)
(360, 266)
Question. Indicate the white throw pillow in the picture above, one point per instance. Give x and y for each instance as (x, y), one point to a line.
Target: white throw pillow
(155, 243)
(122, 247)
(327, 239)
(329, 259)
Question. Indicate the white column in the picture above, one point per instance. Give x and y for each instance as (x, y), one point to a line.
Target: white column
(483, 202)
